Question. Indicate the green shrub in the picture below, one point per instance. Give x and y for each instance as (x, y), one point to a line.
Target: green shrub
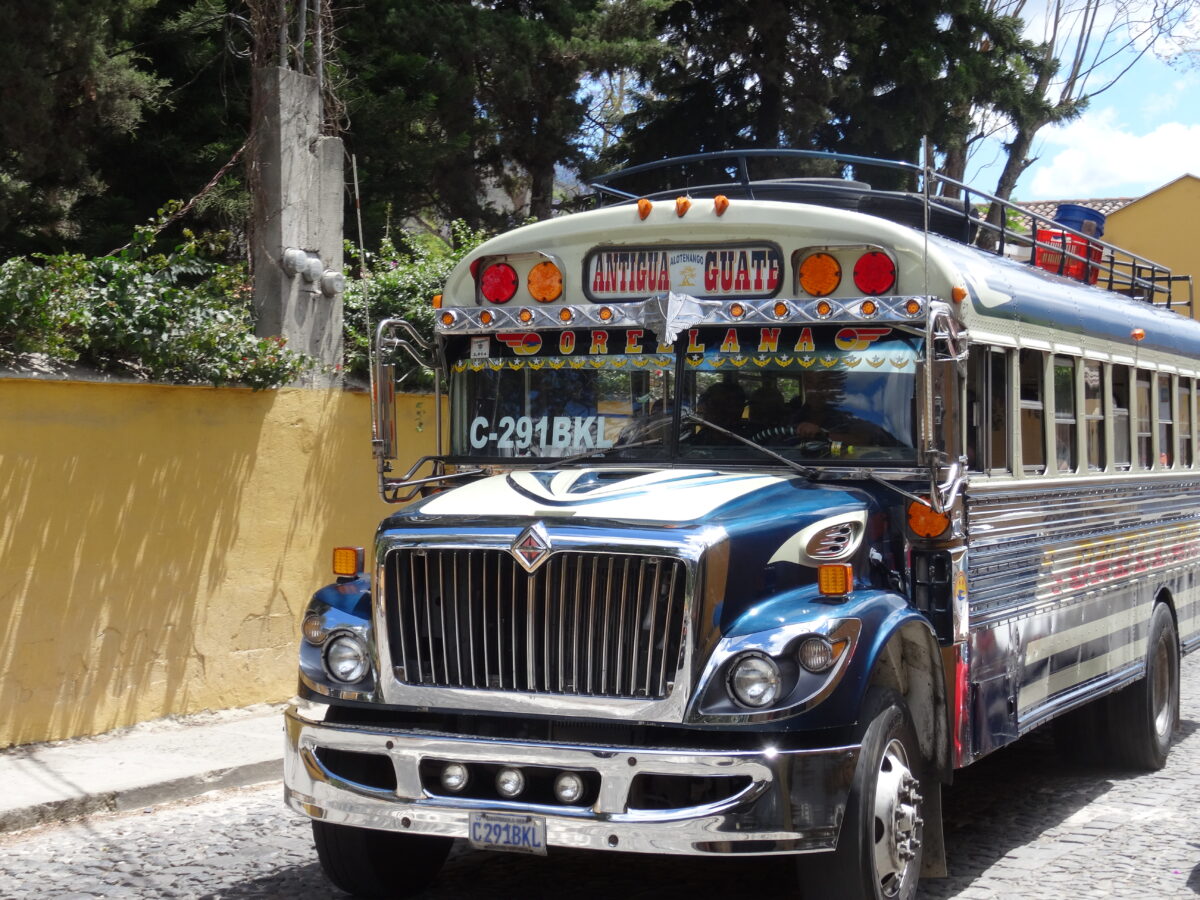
(184, 316)
(400, 282)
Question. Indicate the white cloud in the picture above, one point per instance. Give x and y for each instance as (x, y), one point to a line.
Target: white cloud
(1097, 156)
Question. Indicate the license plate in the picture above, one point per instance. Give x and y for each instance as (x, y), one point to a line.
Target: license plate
(499, 831)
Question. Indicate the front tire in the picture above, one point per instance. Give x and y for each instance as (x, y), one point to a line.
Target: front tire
(368, 863)
(878, 855)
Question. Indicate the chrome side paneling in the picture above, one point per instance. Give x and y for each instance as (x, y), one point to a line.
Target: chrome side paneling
(1062, 578)
(794, 802)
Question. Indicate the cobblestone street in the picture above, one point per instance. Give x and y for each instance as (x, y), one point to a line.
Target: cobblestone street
(1020, 824)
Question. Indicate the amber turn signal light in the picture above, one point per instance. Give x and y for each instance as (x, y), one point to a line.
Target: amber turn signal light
(835, 579)
(348, 561)
(926, 522)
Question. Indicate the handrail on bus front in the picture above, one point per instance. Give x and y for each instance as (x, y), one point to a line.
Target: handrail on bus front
(993, 230)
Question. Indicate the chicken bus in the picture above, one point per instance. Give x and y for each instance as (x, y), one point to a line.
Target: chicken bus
(765, 502)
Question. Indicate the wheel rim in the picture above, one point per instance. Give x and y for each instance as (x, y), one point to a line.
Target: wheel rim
(1160, 686)
(897, 823)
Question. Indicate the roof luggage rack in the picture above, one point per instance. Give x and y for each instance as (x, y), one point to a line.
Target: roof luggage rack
(938, 204)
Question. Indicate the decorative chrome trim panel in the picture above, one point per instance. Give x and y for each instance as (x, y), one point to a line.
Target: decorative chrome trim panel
(1032, 547)
(795, 802)
(548, 317)
(582, 624)
(670, 708)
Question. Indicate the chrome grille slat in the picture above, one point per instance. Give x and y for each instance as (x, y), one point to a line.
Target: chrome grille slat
(583, 624)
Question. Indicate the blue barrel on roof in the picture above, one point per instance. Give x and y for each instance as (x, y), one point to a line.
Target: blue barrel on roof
(1074, 216)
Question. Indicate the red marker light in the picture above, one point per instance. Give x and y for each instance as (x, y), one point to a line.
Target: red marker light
(874, 273)
(499, 283)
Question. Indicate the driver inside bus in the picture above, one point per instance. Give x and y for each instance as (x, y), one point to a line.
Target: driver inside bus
(722, 404)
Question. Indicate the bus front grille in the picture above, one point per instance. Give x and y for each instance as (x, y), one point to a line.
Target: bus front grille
(604, 625)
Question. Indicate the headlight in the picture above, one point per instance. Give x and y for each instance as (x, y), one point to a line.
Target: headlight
(754, 681)
(346, 659)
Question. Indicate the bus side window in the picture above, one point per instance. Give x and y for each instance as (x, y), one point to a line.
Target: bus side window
(1166, 421)
(1066, 428)
(1033, 435)
(1187, 390)
(987, 398)
(997, 420)
(1093, 415)
(1143, 398)
(1120, 417)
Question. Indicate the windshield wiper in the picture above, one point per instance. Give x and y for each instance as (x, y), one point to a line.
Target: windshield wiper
(807, 471)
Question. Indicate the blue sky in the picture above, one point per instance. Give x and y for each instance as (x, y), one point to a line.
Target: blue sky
(1137, 136)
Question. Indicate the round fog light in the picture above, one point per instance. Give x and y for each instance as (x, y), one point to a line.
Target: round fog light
(346, 659)
(510, 782)
(754, 681)
(568, 787)
(816, 654)
(455, 777)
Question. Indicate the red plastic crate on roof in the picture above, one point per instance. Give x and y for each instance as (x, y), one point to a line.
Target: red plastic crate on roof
(1051, 260)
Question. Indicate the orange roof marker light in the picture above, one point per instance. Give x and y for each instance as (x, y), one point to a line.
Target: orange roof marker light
(682, 205)
(545, 282)
(720, 204)
(1138, 334)
(644, 207)
(820, 274)
(958, 293)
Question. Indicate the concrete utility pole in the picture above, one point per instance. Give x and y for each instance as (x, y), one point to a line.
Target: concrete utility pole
(297, 233)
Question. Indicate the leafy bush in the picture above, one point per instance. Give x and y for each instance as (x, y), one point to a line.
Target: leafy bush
(184, 317)
(400, 282)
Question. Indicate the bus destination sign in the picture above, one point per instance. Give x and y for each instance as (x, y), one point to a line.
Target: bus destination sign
(708, 272)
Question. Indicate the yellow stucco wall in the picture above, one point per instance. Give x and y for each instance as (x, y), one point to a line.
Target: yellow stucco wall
(1164, 226)
(158, 544)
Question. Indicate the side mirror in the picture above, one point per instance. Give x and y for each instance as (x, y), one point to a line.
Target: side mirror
(391, 337)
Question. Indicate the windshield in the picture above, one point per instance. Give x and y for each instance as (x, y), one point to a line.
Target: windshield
(820, 394)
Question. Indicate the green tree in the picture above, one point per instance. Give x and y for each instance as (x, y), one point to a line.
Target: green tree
(69, 78)
(867, 77)
(197, 49)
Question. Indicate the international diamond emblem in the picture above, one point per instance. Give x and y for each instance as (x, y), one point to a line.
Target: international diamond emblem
(531, 547)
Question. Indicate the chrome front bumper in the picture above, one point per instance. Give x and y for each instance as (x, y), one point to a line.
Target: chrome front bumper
(794, 803)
